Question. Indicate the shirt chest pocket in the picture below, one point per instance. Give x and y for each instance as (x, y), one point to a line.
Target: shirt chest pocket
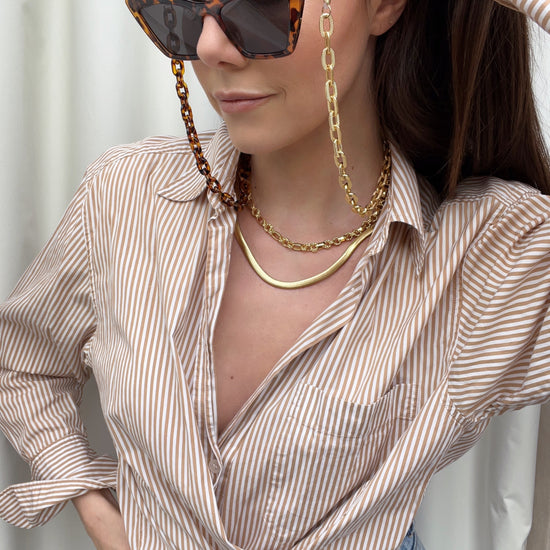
(325, 449)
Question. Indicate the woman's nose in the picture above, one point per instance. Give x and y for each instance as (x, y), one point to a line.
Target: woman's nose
(214, 48)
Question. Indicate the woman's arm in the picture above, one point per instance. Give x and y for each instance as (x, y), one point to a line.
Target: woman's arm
(46, 326)
(101, 517)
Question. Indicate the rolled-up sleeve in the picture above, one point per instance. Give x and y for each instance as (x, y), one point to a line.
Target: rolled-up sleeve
(45, 327)
(537, 10)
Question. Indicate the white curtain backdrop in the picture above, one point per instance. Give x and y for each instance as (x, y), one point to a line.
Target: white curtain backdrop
(78, 77)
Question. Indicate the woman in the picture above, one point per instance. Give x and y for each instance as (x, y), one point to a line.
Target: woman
(307, 408)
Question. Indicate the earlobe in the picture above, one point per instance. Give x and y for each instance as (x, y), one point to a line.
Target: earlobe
(387, 13)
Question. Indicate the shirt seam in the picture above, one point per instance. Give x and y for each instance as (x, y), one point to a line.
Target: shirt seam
(87, 237)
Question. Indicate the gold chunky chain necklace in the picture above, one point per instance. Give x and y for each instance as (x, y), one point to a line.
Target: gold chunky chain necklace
(357, 237)
(328, 59)
(372, 209)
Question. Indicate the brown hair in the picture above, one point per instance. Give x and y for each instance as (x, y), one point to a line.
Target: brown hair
(452, 85)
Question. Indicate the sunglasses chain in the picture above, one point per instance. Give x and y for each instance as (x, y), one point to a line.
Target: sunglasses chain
(328, 58)
(244, 197)
(243, 169)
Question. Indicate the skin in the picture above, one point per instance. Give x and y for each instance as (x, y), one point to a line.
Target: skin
(295, 185)
(102, 520)
(294, 182)
(288, 136)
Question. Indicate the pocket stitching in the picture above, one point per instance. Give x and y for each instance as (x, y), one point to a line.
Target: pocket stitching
(404, 395)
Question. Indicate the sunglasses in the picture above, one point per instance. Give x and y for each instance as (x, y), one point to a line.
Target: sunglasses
(259, 29)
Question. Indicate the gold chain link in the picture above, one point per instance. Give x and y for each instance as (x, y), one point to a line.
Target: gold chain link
(374, 208)
(328, 59)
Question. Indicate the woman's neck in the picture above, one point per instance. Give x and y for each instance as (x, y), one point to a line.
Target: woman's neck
(301, 181)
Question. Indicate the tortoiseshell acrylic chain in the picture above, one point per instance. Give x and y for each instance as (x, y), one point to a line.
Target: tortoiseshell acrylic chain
(243, 169)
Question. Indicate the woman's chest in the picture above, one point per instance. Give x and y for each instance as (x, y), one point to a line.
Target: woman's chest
(256, 325)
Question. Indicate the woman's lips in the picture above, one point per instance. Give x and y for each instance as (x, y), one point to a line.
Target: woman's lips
(240, 103)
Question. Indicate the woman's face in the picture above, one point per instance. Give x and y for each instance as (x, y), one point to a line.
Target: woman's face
(271, 104)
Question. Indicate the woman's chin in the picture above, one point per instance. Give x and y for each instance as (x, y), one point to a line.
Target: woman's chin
(257, 140)
(251, 143)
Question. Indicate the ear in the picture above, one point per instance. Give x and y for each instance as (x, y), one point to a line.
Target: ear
(385, 14)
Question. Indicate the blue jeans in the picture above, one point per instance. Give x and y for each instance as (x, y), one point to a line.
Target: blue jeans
(411, 542)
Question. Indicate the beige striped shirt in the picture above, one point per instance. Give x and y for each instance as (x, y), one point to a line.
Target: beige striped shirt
(442, 325)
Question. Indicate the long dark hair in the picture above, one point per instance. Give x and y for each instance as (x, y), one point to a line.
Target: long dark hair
(452, 82)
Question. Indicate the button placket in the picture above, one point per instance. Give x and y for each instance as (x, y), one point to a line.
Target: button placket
(219, 235)
(214, 466)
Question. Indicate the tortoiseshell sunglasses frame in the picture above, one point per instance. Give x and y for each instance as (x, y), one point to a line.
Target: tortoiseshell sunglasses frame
(213, 7)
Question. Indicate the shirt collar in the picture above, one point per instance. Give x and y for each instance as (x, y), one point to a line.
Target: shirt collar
(189, 183)
(411, 200)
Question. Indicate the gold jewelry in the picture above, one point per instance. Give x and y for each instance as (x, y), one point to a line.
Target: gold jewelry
(292, 285)
(328, 59)
(304, 247)
(374, 208)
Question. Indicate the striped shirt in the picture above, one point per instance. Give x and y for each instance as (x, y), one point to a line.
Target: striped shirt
(442, 325)
(537, 10)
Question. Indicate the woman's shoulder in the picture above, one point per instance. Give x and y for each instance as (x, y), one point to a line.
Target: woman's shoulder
(146, 153)
(151, 163)
(495, 190)
(491, 200)
(490, 216)
(504, 298)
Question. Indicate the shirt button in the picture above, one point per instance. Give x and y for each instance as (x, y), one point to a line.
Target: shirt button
(214, 467)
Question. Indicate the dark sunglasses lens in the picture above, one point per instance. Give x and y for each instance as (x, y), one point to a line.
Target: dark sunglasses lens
(258, 26)
(178, 27)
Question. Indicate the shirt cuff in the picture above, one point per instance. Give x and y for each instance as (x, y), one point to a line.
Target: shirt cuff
(67, 469)
(537, 10)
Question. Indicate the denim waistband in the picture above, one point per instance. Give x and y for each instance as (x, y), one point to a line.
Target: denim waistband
(411, 541)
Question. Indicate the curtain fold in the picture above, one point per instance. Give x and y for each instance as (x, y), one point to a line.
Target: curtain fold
(78, 77)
